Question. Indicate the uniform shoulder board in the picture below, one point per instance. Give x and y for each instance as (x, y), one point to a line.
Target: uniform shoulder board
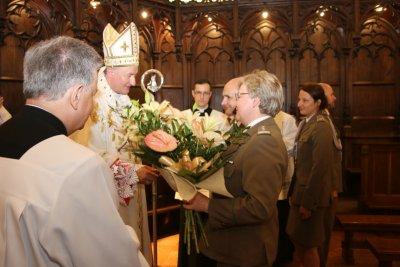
(321, 118)
(263, 131)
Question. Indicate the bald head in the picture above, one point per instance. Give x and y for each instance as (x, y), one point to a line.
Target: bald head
(329, 94)
(229, 95)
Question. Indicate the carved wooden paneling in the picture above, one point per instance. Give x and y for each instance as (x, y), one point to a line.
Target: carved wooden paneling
(352, 47)
(380, 179)
(145, 57)
(211, 48)
(372, 99)
(172, 69)
(212, 56)
(174, 96)
(12, 55)
(308, 67)
(266, 49)
(169, 61)
(374, 91)
(319, 56)
(11, 90)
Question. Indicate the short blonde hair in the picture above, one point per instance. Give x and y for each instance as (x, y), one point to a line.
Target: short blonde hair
(265, 86)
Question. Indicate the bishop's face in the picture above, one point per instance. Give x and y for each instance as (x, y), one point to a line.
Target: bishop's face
(121, 79)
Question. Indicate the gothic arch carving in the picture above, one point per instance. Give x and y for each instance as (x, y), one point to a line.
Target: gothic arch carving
(263, 42)
(211, 47)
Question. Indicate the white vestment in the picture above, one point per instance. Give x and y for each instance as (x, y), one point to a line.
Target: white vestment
(288, 127)
(58, 207)
(101, 135)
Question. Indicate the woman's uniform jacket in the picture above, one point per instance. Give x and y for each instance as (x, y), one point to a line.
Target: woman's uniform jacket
(244, 230)
(314, 163)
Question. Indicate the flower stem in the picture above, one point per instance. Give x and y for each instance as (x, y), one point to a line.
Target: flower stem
(195, 231)
(201, 227)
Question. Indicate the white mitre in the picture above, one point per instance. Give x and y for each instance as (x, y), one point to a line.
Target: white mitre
(121, 49)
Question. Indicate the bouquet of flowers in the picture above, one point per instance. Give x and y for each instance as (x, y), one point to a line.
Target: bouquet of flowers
(186, 149)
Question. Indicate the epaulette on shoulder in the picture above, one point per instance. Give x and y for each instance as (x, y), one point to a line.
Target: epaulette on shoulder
(321, 118)
(263, 131)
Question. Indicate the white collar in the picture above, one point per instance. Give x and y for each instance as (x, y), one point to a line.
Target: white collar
(254, 122)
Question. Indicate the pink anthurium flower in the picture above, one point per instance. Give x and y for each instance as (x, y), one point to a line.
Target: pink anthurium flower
(161, 141)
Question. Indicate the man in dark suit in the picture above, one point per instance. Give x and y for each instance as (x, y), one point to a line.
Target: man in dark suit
(337, 185)
(46, 114)
(243, 230)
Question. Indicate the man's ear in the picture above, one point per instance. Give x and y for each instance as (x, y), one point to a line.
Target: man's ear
(76, 95)
(256, 102)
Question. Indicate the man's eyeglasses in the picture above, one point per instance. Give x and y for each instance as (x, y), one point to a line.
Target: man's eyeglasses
(202, 93)
(238, 95)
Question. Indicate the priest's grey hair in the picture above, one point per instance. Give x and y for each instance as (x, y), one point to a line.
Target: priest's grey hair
(53, 66)
(265, 86)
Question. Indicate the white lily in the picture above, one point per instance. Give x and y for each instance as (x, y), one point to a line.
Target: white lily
(215, 137)
(212, 124)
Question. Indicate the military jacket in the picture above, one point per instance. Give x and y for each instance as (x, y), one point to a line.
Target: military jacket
(243, 230)
(314, 164)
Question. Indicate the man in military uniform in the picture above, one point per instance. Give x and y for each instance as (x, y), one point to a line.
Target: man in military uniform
(337, 185)
(243, 230)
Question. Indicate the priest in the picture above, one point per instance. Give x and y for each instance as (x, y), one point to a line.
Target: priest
(102, 130)
(58, 203)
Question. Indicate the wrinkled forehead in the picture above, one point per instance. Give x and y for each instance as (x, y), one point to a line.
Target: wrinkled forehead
(132, 70)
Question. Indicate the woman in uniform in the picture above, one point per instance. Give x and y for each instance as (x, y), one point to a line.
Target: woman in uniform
(311, 196)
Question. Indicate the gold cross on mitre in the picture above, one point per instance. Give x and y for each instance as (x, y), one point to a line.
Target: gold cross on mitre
(124, 46)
